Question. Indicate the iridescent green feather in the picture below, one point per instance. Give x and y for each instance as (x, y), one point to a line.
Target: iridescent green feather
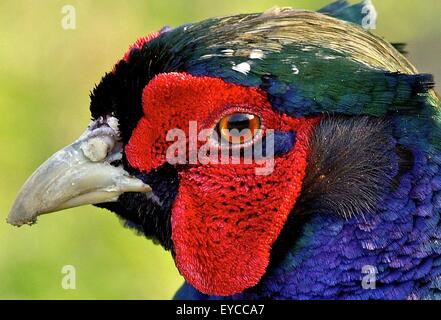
(315, 63)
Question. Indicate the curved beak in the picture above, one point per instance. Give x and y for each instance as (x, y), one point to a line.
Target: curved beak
(77, 175)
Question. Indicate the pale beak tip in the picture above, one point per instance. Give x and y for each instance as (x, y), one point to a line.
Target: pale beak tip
(17, 223)
(18, 216)
(79, 174)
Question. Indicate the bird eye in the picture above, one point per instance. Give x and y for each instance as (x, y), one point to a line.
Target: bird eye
(238, 128)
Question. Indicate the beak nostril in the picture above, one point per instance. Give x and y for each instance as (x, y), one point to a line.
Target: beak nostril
(97, 149)
(79, 174)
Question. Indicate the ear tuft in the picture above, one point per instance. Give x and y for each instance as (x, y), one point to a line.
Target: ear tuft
(400, 47)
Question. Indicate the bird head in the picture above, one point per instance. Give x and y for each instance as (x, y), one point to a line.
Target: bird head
(320, 98)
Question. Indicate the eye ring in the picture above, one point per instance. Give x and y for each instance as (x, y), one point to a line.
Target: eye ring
(238, 129)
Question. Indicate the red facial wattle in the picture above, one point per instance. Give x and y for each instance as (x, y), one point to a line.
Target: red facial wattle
(225, 217)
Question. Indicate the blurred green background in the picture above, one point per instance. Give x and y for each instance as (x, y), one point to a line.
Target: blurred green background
(46, 74)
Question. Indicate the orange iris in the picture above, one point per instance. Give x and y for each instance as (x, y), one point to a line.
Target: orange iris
(239, 128)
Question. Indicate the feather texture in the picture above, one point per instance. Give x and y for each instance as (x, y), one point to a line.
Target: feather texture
(379, 201)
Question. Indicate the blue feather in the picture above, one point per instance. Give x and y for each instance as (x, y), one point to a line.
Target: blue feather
(359, 13)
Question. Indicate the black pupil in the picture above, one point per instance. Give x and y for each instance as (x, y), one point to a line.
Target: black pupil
(239, 122)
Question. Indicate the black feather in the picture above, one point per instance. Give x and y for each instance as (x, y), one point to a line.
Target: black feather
(401, 47)
(150, 214)
(351, 166)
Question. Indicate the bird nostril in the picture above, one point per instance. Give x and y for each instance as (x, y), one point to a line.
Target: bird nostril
(96, 149)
